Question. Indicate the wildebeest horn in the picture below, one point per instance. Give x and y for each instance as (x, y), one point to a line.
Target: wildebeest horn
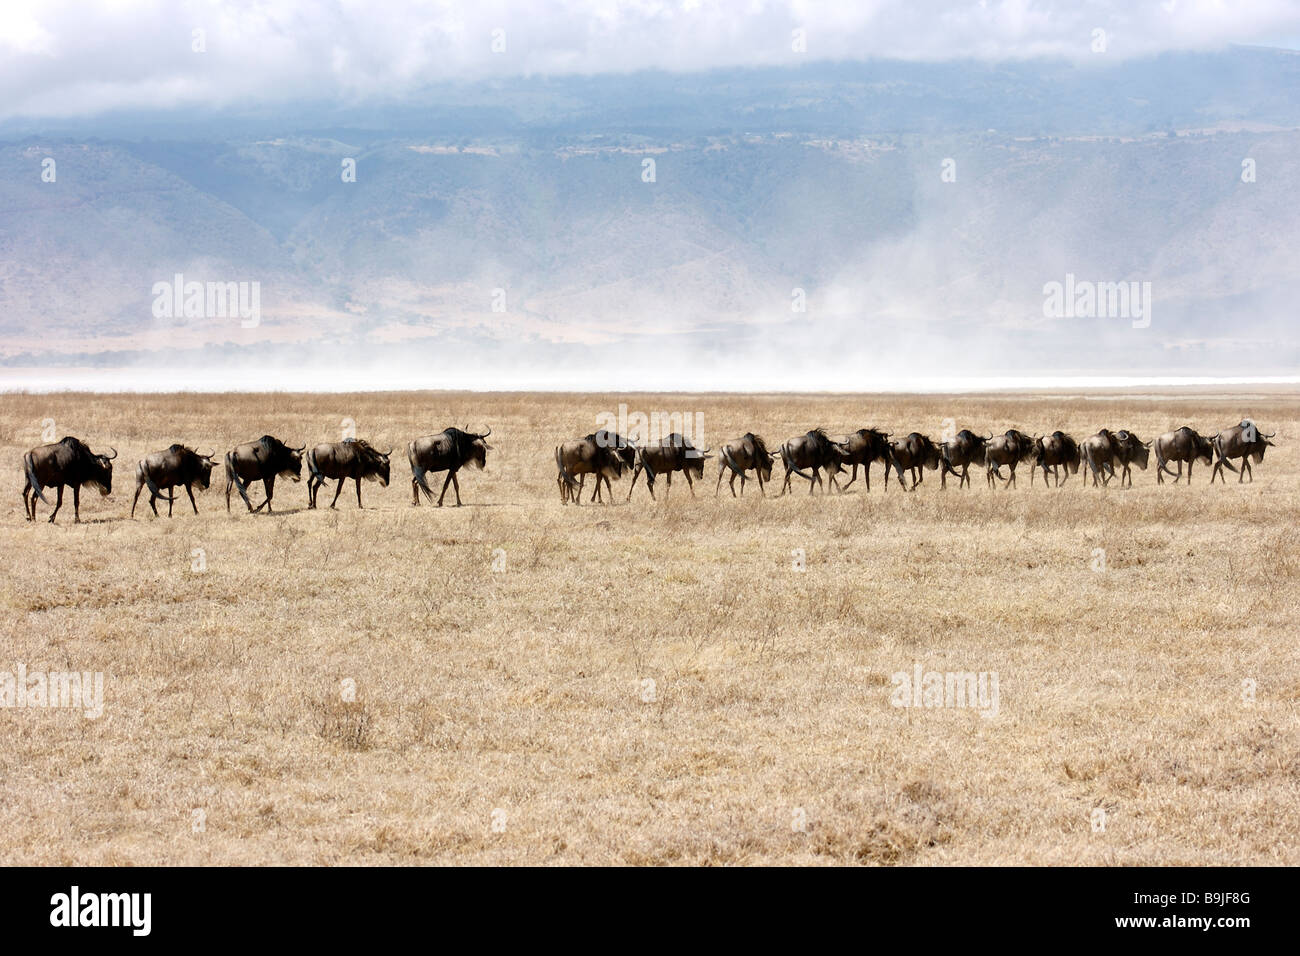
(211, 454)
(112, 456)
(486, 433)
(299, 448)
(1270, 435)
(387, 453)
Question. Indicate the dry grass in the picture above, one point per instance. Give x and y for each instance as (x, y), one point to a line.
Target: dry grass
(522, 691)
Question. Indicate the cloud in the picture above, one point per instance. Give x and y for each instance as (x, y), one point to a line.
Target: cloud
(70, 58)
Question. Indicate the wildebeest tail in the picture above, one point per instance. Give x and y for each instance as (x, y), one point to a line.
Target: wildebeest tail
(149, 482)
(787, 459)
(29, 465)
(730, 461)
(1162, 465)
(232, 478)
(418, 473)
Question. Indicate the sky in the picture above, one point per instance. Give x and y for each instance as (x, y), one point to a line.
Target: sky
(62, 58)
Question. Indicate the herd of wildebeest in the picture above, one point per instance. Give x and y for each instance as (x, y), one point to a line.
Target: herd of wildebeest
(607, 455)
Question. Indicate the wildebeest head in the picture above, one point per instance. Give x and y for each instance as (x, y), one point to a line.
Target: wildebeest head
(622, 448)
(830, 453)
(1252, 439)
(374, 463)
(1025, 446)
(196, 465)
(763, 459)
(1131, 449)
(1204, 447)
(277, 458)
(692, 458)
(100, 472)
(473, 446)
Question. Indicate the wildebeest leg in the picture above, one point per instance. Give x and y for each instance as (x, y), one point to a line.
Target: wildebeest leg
(448, 481)
(636, 473)
(138, 485)
(415, 493)
(717, 489)
(582, 480)
(1245, 469)
(337, 491)
(455, 484)
(27, 516)
(866, 474)
(732, 483)
(853, 476)
(190, 491)
(58, 503)
(269, 484)
(668, 484)
(76, 504)
(358, 481)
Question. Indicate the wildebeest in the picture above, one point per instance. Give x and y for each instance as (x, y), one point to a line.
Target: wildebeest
(449, 452)
(864, 446)
(963, 449)
(1130, 450)
(261, 460)
(674, 453)
(66, 462)
(1055, 452)
(814, 450)
(1243, 441)
(915, 453)
(603, 453)
(176, 465)
(345, 459)
(1183, 445)
(742, 455)
(1097, 453)
(1010, 449)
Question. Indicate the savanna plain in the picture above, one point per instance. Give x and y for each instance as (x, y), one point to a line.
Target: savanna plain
(697, 680)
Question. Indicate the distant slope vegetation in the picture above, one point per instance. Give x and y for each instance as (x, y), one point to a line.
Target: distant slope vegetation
(531, 196)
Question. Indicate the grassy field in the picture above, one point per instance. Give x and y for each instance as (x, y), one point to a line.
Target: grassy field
(652, 683)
